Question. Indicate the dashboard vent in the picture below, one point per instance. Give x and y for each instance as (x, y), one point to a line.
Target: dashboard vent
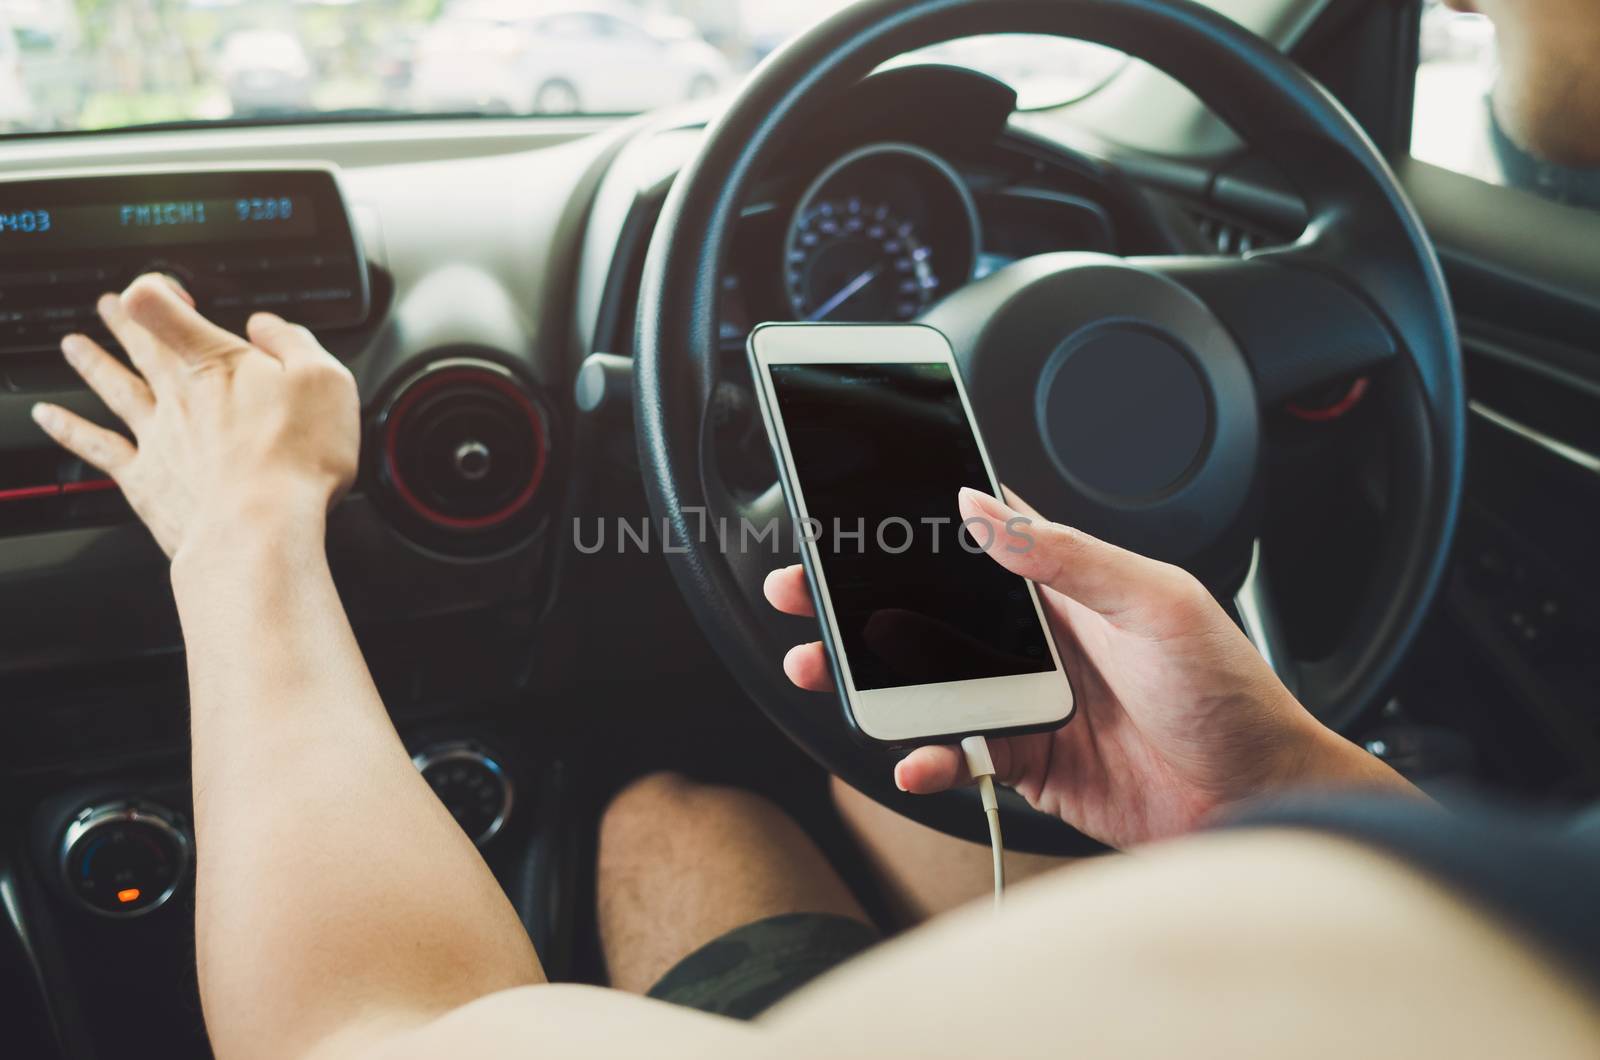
(1229, 236)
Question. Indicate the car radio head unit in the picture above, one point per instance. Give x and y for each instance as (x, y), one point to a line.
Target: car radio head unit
(240, 241)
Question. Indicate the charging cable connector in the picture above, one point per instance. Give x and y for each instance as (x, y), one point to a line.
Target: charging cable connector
(981, 766)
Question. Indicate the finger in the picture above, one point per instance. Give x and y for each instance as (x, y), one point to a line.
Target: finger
(787, 591)
(123, 392)
(148, 356)
(1099, 575)
(155, 305)
(807, 666)
(183, 292)
(930, 770)
(289, 343)
(106, 450)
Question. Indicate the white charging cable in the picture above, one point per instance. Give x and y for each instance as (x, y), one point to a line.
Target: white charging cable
(981, 766)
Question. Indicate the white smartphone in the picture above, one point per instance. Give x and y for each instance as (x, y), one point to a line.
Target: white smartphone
(929, 638)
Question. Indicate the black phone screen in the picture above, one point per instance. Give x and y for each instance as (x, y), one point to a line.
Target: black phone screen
(881, 452)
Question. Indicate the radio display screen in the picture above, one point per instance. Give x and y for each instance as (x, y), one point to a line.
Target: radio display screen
(143, 223)
(239, 240)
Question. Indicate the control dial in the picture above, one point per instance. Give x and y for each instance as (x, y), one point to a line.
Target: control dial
(471, 783)
(124, 858)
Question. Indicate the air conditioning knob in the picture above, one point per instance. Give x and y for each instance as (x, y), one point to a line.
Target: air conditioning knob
(471, 783)
(124, 858)
(464, 448)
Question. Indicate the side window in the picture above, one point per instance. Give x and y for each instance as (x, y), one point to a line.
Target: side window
(1508, 91)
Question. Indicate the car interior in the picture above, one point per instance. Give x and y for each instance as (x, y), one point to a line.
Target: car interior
(1385, 468)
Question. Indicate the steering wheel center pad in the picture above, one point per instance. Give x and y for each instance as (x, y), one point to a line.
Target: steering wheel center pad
(1146, 429)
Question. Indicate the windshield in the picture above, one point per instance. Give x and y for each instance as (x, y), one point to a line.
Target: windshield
(70, 65)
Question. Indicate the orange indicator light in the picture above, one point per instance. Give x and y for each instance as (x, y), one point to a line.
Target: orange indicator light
(128, 894)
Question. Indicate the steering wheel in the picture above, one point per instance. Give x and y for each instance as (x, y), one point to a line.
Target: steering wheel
(1186, 352)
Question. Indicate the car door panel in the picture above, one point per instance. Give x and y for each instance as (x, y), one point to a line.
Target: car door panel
(1524, 276)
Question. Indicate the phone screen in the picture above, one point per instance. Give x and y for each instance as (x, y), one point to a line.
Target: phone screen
(880, 452)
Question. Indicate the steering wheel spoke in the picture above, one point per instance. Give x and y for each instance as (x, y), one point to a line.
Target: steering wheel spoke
(1299, 326)
(1257, 611)
(758, 537)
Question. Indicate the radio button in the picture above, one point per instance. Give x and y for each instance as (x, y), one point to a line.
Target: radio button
(83, 275)
(172, 270)
(325, 294)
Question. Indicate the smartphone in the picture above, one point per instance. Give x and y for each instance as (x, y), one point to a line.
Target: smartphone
(929, 638)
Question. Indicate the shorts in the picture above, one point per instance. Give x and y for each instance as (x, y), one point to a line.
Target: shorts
(751, 968)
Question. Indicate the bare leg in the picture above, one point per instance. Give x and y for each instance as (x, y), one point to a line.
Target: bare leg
(924, 872)
(682, 863)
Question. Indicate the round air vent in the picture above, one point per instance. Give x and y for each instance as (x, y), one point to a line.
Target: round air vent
(463, 450)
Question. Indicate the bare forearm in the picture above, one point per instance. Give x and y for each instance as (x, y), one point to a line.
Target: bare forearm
(337, 898)
(1322, 760)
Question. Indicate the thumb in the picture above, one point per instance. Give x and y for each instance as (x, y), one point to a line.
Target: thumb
(1121, 585)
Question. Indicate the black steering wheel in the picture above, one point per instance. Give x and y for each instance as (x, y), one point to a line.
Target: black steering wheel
(1185, 352)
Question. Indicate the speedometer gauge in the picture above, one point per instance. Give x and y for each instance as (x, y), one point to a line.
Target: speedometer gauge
(880, 235)
(855, 260)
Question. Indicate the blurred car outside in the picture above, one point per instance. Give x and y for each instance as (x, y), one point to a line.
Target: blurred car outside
(265, 72)
(505, 57)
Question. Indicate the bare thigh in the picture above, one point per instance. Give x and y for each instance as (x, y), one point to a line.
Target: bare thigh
(682, 863)
(1250, 944)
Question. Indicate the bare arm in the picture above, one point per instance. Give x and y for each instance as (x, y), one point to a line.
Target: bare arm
(338, 902)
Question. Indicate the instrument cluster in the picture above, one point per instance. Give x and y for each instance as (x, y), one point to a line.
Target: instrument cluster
(882, 233)
(878, 236)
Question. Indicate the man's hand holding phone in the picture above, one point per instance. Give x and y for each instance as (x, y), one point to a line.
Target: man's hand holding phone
(1179, 717)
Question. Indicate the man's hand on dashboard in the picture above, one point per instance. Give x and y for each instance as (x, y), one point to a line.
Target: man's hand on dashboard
(1178, 716)
(227, 433)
